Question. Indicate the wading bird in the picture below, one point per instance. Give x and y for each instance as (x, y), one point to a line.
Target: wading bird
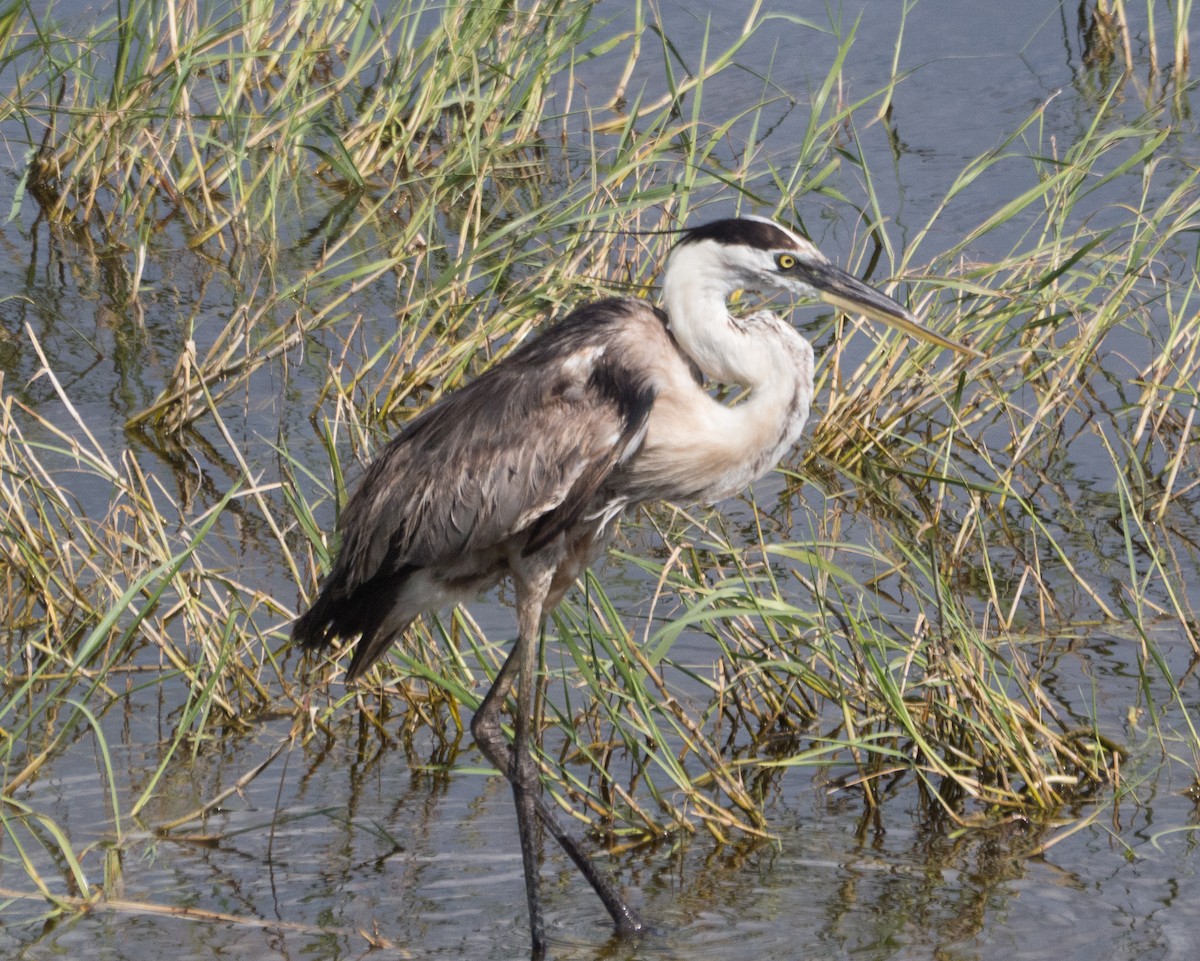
(522, 473)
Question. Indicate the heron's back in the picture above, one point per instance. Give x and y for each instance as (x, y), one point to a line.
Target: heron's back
(525, 458)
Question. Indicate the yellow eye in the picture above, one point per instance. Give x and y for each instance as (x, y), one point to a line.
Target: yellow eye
(785, 261)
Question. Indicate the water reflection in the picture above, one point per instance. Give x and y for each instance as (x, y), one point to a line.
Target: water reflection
(333, 848)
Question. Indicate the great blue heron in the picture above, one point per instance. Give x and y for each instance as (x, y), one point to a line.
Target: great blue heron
(522, 472)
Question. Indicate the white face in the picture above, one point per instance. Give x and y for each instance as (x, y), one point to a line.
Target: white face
(716, 259)
(746, 253)
(752, 253)
(783, 268)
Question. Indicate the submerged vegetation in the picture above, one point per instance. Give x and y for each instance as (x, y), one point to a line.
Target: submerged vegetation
(389, 197)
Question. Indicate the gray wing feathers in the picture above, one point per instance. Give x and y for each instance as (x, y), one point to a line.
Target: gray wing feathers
(526, 447)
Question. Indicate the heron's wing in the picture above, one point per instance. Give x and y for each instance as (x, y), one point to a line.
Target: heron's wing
(521, 452)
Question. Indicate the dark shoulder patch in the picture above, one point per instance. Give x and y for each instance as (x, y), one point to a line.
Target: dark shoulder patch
(626, 390)
(741, 230)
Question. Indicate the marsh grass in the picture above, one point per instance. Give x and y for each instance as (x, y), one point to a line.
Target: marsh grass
(904, 643)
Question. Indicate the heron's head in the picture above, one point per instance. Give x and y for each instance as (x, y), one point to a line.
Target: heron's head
(754, 253)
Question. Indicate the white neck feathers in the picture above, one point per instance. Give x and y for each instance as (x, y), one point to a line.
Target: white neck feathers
(760, 352)
(735, 351)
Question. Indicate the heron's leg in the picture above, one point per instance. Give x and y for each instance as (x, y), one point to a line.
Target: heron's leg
(628, 922)
(523, 772)
(485, 725)
(521, 768)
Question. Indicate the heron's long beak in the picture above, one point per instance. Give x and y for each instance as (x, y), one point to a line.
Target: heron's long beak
(834, 286)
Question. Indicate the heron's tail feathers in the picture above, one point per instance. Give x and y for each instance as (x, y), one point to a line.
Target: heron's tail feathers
(317, 627)
(372, 610)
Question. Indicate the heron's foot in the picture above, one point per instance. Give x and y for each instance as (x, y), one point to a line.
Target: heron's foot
(632, 926)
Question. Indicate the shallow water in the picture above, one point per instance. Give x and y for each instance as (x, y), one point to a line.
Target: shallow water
(325, 846)
(410, 844)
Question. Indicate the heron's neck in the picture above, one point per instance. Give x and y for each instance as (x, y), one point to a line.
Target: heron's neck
(697, 448)
(728, 350)
(762, 353)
